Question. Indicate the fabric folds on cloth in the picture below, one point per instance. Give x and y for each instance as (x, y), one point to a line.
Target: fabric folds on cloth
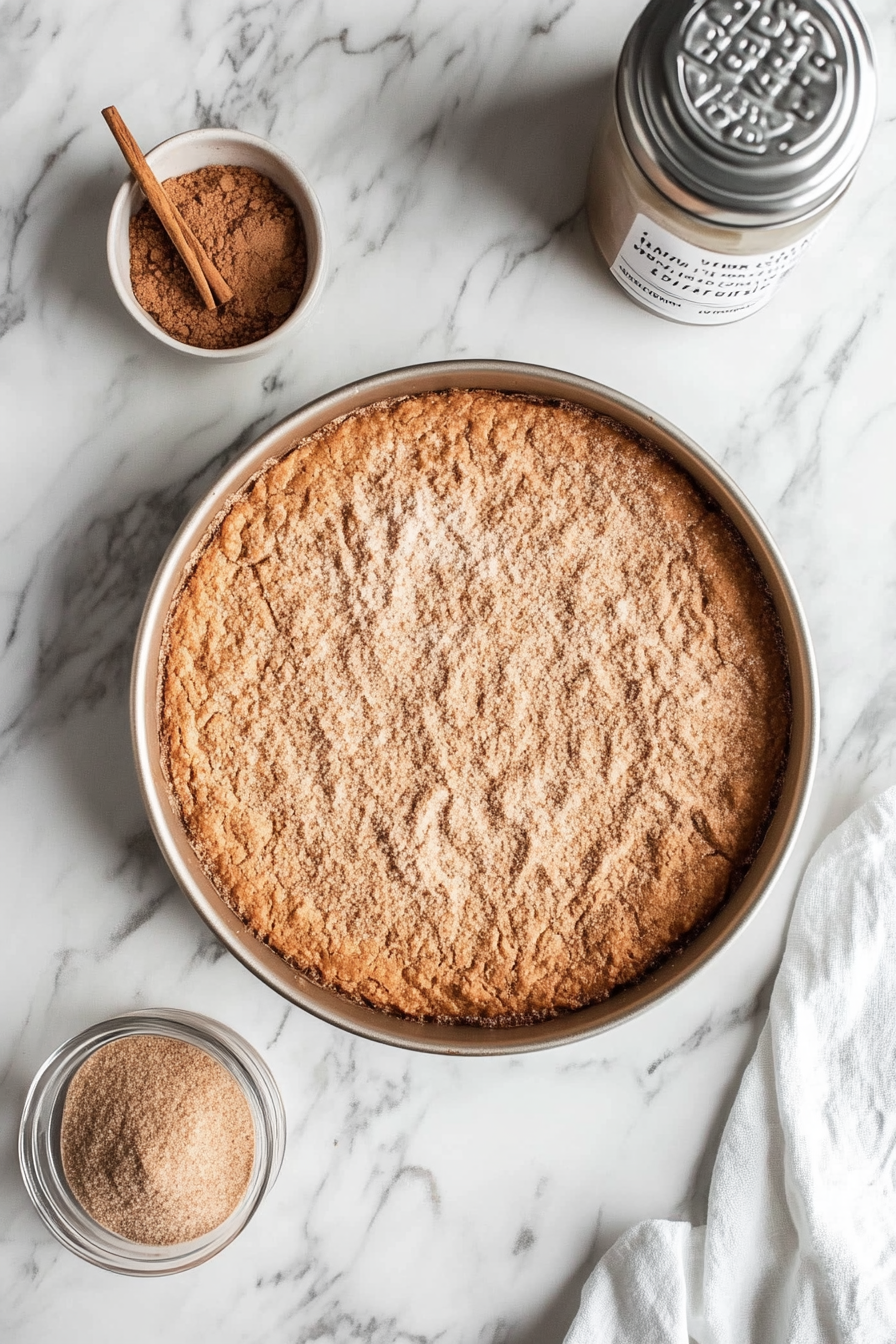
(800, 1240)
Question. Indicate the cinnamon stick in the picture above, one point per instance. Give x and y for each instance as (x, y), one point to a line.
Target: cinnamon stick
(213, 288)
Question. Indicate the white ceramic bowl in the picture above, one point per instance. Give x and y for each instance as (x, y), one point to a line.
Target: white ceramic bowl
(198, 149)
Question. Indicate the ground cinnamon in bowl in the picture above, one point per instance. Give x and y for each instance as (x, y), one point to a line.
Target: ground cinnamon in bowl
(253, 233)
(157, 1140)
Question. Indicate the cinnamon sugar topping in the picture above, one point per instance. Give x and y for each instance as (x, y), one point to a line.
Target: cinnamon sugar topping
(474, 707)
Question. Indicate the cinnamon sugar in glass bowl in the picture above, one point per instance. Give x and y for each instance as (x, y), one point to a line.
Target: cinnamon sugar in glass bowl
(40, 1155)
(186, 153)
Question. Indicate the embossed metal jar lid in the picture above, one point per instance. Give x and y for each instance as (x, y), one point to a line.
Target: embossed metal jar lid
(747, 112)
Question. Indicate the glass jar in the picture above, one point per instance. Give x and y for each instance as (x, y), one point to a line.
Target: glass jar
(41, 1160)
(736, 126)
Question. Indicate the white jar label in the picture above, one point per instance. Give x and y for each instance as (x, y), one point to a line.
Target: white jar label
(694, 284)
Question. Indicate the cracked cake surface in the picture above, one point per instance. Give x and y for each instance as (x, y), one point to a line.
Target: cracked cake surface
(474, 706)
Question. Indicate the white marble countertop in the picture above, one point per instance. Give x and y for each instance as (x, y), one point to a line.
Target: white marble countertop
(421, 1198)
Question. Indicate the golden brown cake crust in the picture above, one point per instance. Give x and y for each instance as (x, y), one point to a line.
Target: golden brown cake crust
(474, 707)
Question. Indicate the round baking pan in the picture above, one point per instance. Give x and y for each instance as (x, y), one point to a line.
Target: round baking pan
(262, 960)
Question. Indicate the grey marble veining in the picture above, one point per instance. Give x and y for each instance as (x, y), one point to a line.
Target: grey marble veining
(422, 1199)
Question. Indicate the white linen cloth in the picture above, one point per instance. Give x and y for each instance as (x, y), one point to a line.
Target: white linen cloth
(800, 1240)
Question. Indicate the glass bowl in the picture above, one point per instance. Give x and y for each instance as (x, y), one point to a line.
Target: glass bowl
(41, 1161)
